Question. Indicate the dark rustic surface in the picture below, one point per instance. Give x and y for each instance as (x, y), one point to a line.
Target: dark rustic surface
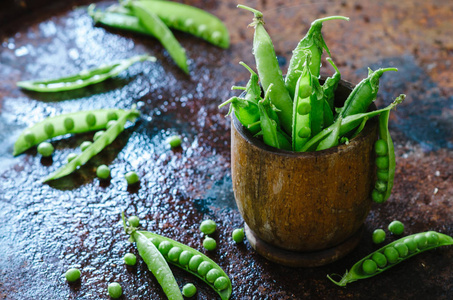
(45, 229)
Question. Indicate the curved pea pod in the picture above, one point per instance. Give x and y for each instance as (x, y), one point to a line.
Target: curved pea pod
(332, 139)
(392, 254)
(269, 70)
(330, 85)
(363, 94)
(97, 146)
(78, 122)
(246, 111)
(224, 292)
(84, 78)
(313, 42)
(252, 90)
(161, 32)
(268, 125)
(119, 18)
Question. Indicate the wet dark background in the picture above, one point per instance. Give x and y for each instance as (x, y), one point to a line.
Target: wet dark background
(75, 221)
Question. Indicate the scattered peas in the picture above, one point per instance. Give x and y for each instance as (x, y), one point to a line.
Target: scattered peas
(208, 226)
(131, 177)
(378, 236)
(85, 145)
(45, 149)
(134, 221)
(103, 172)
(396, 227)
(72, 274)
(130, 259)
(115, 290)
(174, 141)
(189, 290)
(238, 235)
(209, 243)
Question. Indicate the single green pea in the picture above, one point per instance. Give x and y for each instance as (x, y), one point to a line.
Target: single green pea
(421, 241)
(381, 148)
(209, 243)
(155, 241)
(377, 196)
(382, 175)
(238, 235)
(378, 236)
(221, 283)
(382, 162)
(131, 177)
(391, 254)
(174, 253)
(380, 186)
(45, 149)
(85, 145)
(134, 221)
(110, 124)
(303, 108)
(208, 226)
(90, 119)
(130, 259)
(212, 275)
(411, 244)
(379, 259)
(195, 262)
(369, 266)
(402, 249)
(204, 268)
(29, 137)
(71, 157)
(396, 227)
(68, 124)
(164, 247)
(189, 290)
(72, 274)
(304, 132)
(115, 290)
(432, 238)
(98, 134)
(201, 30)
(112, 116)
(49, 129)
(103, 172)
(174, 141)
(184, 258)
(305, 90)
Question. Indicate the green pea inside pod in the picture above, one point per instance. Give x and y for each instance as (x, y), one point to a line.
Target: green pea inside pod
(305, 88)
(379, 259)
(174, 253)
(391, 254)
(432, 238)
(204, 268)
(49, 129)
(69, 124)
(381, 148)
(421, 240)
(377, 196)
(304, 132)
(112, 116)
(411, 244)
(221, 283)
(381, 186)
(195, 262)
(382, 175)
(164, 247)
(382, 162)
(369, 266)
(304, 107)
(30, 138)
(90, 119)
(212, 275)
(402, 249)
(184, 258)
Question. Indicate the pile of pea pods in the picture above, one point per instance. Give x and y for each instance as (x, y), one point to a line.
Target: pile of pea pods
(297, 113)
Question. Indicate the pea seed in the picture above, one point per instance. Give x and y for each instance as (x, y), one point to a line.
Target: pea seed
(164, 247)
(85, 145)
(402, 249)
(189, 290)
(421, 241)
(174, 253)
(382, 162)
(377, 196)
(131, 177)
(130, 259)
(216, 36)
(155, 241)
(115, 290)
(382, 175)
(174, 141)
(194, 262)
(381, 186)
(432, 238)
(134, 221)
(204, 268)
(396, 227)
(45, 149)
(305, 91)
(208, 226)
(103, 172)
(30, 137)
(212, 275)
(304, 132)
(221, 283)
(369, 266)
(49, 129)
(112, 116)
(379, 259)
(410, 244)
(202, 30)
(238, 235)
(68, 124)
(209, 243)
(185, 257)
(391, 254)
(90, 119)
(189, 23)
(303, 108)
(378, 236)
(71, 157)
(98, 134)
(72, 274)
(110, 124)
(381, 148)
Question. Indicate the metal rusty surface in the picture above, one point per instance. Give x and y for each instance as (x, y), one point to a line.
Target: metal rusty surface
(45, 229)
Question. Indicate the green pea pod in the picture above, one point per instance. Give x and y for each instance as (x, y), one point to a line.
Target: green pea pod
(84, 78)
(268, 125)
(82, 121)
(330, 85)
(313, 42)
(349, 123)
(363, 94)
(246, 111)
(97, 146)
(389, 256)
(120, 19)
(332, 139)
(269, 70)
(253, 90)
(327, 114)
(161, 32)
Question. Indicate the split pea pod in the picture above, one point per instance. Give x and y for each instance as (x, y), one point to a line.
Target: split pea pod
(392, 254)
(161, 32)
(385, 161)
(97, 146)
(84, 78)
(78, 122)
(155, 261)
(269, 70)
(314, 43)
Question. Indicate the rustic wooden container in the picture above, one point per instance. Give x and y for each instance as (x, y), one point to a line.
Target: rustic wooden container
(304, 202)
